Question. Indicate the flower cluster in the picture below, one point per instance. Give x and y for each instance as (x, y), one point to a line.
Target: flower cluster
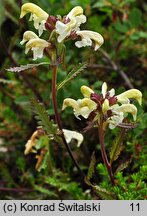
(63, 28)
(106, 107)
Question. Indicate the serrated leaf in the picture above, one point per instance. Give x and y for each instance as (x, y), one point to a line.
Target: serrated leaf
(43, 119)
(122, 167)
(91, 167)
(26, 67)
(103, 193)
(117, 147)
(71, 75)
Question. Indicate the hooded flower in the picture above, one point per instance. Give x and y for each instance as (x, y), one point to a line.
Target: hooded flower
(112, 107)
(38, 15)
(71, 23)
(81, 107)
(69, 135)
(34, 43)
(87, 39)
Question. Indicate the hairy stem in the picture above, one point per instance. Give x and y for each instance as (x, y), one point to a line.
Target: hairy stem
(58, 120)
(104, 155)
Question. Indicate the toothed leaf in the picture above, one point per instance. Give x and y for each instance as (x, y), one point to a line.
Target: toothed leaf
(71, 75)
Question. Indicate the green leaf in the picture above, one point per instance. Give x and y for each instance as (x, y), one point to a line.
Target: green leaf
(42, 142)
(71, 75)
(22, 100)
(138, 35)
(135, 17)
(117, 146)
(26, 67)
(45, 191)
(122, 27)
(91, 167)
(103, 193)
(43, 119)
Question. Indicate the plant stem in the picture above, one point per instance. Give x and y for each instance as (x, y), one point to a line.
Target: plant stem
(104, 155)
(57, 117)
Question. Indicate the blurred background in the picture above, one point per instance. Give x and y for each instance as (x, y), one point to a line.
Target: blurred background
(121, 62)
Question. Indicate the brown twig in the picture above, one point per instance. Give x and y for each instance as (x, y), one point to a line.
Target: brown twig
(115, 67)
(17, 190)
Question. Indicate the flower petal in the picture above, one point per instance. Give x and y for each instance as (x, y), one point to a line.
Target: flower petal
(70, 102)
(34, 9)
(28, 35)
(37, 46)
(69, 135)
(104, 89)
(132, 93)
(105, 106)
(86, 91)
(76, 11)
(38, 15)
(87, 38)
(128, 108)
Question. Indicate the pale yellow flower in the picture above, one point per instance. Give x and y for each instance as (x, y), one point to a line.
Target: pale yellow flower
(38, 15)
(81, 107)
(86, 91)
(69, 135)
(132, 93)
(35, 44)
(88, 38)
(76, 18)
(112, 107)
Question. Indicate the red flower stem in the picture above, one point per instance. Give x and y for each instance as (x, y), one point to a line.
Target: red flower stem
(104, 155)
(58, 120)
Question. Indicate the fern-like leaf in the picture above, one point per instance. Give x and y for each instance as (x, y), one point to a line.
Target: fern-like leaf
(43, 119)
(71, 75)
(26, 67)
(122, 166)
(103, 193)
(117, 146)
(91, 167)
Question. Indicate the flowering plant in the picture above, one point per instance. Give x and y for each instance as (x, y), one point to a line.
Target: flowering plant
(104, 111)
